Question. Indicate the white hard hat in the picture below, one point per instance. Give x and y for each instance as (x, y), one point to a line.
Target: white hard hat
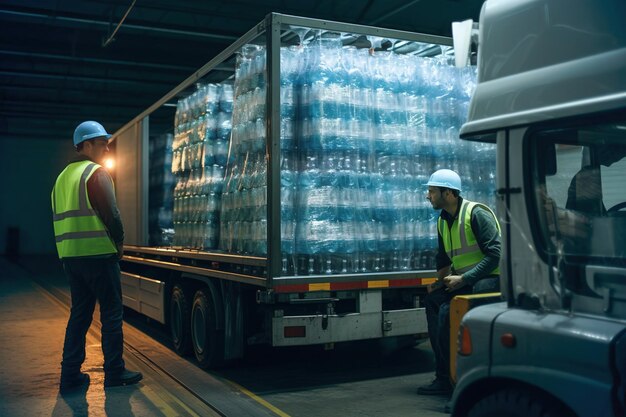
(445, 178)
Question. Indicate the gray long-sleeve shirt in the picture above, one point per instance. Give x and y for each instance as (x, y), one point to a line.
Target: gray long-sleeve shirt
(488, 239)
(102, 197)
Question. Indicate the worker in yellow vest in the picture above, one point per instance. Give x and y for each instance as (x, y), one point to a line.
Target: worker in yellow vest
(89, 237)
(467, 262)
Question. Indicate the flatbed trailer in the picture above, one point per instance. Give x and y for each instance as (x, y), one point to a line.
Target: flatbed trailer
(264, 287)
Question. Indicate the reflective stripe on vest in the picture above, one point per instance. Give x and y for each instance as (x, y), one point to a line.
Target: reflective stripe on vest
(78, 229)
(459, 240)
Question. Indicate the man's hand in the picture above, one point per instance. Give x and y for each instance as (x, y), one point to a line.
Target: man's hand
(120, 250)
(434, 286)
(453, 282)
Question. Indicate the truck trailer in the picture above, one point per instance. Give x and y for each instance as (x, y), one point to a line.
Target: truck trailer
(551, 94)
(277, 195)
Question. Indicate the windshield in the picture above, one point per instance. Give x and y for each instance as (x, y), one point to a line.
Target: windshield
(580, 189)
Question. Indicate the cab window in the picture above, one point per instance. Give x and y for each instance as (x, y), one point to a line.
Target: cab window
(579, 181)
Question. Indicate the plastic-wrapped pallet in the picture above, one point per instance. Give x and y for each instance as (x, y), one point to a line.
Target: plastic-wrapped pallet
(202, 134)
(243, 228)
(161, 201)
(360, 133)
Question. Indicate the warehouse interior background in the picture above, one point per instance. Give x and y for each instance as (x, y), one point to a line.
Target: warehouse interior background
(66, 61)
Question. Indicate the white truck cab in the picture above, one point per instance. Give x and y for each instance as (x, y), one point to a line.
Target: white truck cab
(551, 94)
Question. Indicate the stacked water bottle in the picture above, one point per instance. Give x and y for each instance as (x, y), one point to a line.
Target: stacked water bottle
(243, 227)
(162, 182)
(360, 134)
(200, 150)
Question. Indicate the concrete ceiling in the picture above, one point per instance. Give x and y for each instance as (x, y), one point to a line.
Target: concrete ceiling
(59, 64)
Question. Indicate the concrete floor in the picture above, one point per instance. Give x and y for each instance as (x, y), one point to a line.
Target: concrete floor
(298, 383)
(31, 342)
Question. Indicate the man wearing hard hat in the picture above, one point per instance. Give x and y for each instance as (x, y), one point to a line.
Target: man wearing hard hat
(89, 238)
(467, 261)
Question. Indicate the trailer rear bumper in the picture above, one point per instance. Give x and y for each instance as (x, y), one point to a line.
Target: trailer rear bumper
(322, 328)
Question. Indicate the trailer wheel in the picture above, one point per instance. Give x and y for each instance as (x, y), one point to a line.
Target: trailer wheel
(517, 402)
(207, 339)
(180, 321)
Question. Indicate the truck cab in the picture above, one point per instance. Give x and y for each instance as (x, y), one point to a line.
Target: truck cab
(551, 94)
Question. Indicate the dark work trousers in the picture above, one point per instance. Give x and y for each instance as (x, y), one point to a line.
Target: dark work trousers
(93, 279)
(437, 304)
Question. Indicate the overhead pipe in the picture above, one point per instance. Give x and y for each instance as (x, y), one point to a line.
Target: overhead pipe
(393, 12)
(106, 42)
(96, 60)
(139, 81)
(225, 38)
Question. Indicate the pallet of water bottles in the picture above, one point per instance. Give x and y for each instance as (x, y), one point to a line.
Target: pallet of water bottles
(160, 192)
(361, 129)
(202, 128)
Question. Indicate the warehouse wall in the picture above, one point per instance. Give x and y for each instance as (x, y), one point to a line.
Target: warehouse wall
(29, 169)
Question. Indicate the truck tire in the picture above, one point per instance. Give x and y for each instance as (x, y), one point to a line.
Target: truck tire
(207, 338)
(516, 402)
(180, 321)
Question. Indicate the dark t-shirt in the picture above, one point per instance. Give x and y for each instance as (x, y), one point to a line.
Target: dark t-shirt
(585, 192)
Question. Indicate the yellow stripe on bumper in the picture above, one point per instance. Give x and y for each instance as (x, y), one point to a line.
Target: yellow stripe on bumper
(324, 286)
(378, 284)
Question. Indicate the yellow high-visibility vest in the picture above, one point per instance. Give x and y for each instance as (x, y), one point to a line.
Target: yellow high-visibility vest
(77, 228)
(459, 240)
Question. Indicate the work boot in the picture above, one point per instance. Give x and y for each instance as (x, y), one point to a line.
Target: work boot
(125, 377)
(74, 382)
(438, 387)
